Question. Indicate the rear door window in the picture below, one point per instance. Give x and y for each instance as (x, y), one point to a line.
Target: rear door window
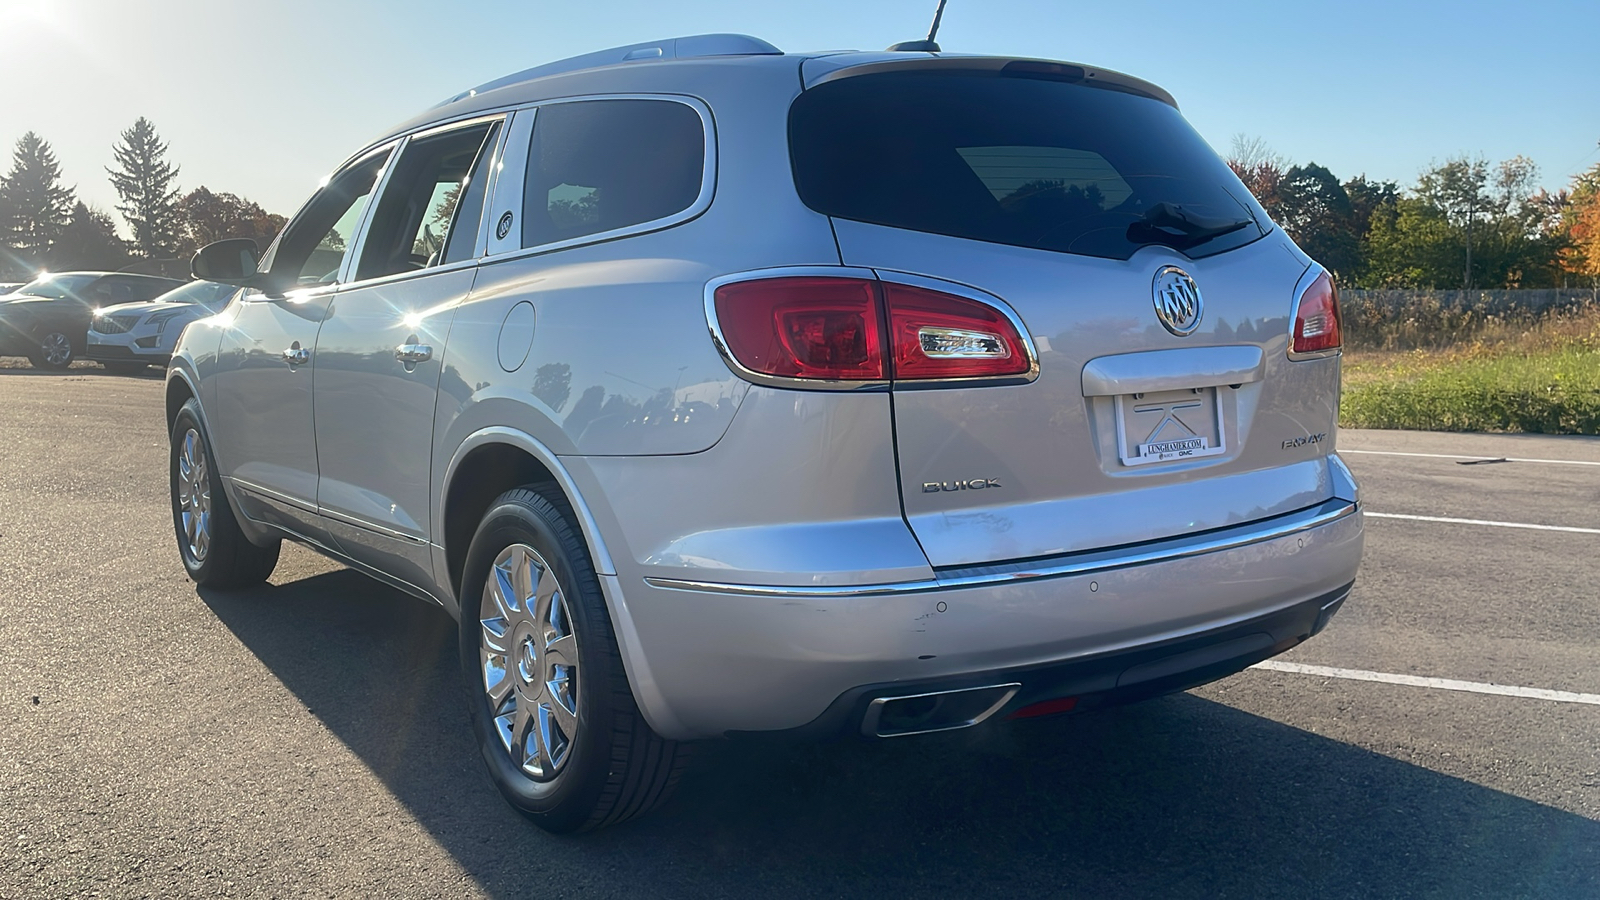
(1046, 164)
(599, 166)
(432, 203)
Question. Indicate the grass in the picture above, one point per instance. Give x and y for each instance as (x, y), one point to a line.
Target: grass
(1515, 372)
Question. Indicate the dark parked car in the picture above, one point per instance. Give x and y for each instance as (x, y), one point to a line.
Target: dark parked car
(47, 319)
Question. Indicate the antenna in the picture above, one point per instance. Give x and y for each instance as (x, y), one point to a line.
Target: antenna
(927, 46)
(933, 31)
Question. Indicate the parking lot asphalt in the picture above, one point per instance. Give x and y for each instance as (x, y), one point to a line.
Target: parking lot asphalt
(307, 739)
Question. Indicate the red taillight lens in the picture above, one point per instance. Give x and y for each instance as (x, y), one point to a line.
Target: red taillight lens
(938, 335)
(1316, 319)
(804, 327)
(826, 328)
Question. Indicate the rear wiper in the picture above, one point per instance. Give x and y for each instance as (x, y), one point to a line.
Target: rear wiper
(1170, 224)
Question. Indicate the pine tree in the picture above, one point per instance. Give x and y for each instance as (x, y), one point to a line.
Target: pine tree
(34, 207)
(143, 179)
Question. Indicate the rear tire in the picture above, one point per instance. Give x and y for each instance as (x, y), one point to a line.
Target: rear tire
(56, 351)
(215, 552)
(555, 720)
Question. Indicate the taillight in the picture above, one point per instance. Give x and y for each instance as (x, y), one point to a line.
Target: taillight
(938, 335)
(804, 327)
(1316, 319)
(825, 328)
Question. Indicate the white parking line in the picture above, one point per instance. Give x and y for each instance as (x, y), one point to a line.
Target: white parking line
(1443, 684)
(1450, 521)
(1554, 462)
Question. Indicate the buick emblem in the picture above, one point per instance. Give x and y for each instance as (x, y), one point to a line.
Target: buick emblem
(1177, 299)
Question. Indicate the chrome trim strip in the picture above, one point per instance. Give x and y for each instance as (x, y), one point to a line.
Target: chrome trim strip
(1086, 563)
(269, 494)
(364, 525)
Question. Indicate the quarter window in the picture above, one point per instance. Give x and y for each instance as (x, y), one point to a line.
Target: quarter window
(601, 165)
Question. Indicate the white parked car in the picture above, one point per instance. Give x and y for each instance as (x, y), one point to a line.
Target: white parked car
(130, 336)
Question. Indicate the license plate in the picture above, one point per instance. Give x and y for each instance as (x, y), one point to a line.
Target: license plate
(1168, 426)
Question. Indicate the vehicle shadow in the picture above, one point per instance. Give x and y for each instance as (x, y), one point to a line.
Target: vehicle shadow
(1176, 797)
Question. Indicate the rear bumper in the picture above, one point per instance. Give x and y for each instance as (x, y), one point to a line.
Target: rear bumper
(1107, 627)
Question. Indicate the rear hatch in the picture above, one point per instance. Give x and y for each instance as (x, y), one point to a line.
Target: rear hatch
(1081, 204)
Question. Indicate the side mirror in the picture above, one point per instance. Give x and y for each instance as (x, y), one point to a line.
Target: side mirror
(231, 262)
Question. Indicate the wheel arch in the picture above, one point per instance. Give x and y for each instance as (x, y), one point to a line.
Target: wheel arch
(180, 390)
(490, 462)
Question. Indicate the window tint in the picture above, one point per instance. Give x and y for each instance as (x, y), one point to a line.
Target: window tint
(600, 165)
(311, 250)
(421, 209)
(56, 286)
(1037, 163)
(210, 294)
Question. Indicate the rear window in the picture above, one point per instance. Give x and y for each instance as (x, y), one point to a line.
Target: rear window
(1045, 164)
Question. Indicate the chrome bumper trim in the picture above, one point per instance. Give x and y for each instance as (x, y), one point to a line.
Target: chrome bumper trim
(1083, 563)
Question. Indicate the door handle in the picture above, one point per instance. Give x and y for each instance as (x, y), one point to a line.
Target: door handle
(411, 354)
(297, 355)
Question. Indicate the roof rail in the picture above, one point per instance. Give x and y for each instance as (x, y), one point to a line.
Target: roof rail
(695, 46)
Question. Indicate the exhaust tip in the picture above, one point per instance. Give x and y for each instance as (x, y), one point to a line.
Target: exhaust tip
(935, 711)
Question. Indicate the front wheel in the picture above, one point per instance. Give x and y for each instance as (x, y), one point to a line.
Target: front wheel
(551, 708)
(215, 551)
(55, 351)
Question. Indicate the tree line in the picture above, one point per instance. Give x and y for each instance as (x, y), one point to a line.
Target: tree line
(44, 226)
(1464, 224)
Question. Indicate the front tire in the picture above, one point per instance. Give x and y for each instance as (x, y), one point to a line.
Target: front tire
(215, 552)
(551, 708)
(56, 351)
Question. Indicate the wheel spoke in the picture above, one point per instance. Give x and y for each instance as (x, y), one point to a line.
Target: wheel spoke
(523, 577)
(562, 652)
(544, 603)
(558, 708)
(504, 593)
(522, 752)
(495, 630)
(497, 680)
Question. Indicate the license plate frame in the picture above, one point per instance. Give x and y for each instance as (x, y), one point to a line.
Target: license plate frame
(1190, 426)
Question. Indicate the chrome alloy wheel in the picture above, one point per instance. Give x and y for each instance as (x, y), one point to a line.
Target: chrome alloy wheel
(56, 348)
(528, 655)
(194, 495)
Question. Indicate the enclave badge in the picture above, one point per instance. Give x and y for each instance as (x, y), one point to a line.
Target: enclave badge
(1177, 299)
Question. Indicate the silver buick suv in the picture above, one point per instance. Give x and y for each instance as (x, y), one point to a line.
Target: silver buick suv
(720, 390)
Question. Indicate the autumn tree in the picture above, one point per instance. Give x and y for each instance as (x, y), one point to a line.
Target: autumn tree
(208, 216)
(34, 206)
(1261, 170)
(143, 179)
(1580, 223)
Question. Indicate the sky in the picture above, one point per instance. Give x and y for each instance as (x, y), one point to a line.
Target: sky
(263, 99)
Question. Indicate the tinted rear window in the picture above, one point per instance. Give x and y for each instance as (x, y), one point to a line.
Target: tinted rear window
(1023, 161)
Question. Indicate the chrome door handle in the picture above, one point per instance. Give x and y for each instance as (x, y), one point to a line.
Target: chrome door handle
(297, 355)
(411, 354)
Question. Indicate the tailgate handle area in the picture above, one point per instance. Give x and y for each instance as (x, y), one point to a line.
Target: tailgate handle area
(1172, 370)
